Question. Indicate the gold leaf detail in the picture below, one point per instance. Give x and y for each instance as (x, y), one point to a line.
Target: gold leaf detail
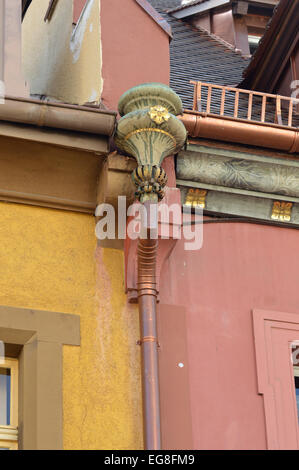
(282, 211)
(150, 129)
(196, 198)
(159, 114)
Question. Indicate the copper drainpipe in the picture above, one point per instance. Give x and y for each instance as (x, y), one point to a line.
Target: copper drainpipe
(139, 134)
(147, 299)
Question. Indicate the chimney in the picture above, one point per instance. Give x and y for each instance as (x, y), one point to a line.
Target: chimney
(11, 74)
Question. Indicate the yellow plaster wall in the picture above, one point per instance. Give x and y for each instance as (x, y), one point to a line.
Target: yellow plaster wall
(49, 261)
(60, 62)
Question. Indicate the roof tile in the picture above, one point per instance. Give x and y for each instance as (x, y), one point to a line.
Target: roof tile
(198, 55)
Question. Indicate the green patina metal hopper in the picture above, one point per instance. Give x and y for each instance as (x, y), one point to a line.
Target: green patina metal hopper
(150, 131)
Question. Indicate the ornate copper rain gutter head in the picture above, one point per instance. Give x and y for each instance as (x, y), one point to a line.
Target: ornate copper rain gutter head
(150, 131)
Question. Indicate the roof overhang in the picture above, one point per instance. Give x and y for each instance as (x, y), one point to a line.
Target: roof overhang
(203, 6)
(275, 48)
(85, 119)
(263, 3)
(53, 154)
(194, 9)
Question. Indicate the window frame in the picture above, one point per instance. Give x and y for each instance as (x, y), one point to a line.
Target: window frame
(40, 335)
(274, 333)
(9, 434)
(296, 374)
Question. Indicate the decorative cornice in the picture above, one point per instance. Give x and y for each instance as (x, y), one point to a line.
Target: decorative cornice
(248, 207)
(231, 183)
(239, 170)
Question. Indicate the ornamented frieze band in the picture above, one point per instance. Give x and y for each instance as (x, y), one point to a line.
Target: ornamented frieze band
(249, 207)
(239, 170)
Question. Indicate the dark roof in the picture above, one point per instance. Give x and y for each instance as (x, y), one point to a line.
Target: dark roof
(165, 4)
(198, 55)
(275, 48)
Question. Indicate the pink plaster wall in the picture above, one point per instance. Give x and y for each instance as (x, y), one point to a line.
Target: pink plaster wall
(135, 49)
(77, 9)
(240, 267)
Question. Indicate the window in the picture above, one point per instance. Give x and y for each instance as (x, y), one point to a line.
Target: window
(276, 340)
(296, 370)
(9, 404)
(295, 359)
(36, 338)
(253, 43)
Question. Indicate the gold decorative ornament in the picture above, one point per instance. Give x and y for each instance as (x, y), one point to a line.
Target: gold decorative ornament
(159, 114)
(150, 129)
(149, 179)
(282, 211)
(196, 198)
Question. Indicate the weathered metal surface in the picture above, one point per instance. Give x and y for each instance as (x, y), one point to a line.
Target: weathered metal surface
(240, 184)
(250, 207)
(239, 170)
(150, 131)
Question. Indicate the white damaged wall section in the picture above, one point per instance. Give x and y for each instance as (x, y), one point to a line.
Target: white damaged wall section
(80, 30)
(62, 62)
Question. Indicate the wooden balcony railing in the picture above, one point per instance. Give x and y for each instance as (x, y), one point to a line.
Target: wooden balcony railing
(246, 105)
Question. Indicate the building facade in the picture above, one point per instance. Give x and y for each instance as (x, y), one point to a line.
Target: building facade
(72, 375)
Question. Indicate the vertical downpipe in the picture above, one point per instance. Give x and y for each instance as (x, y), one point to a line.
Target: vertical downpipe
(147, 299)
(149, 132)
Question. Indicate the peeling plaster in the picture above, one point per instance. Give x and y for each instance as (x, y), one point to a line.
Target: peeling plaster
(52, 66)
(93, 97)
(79, 31)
